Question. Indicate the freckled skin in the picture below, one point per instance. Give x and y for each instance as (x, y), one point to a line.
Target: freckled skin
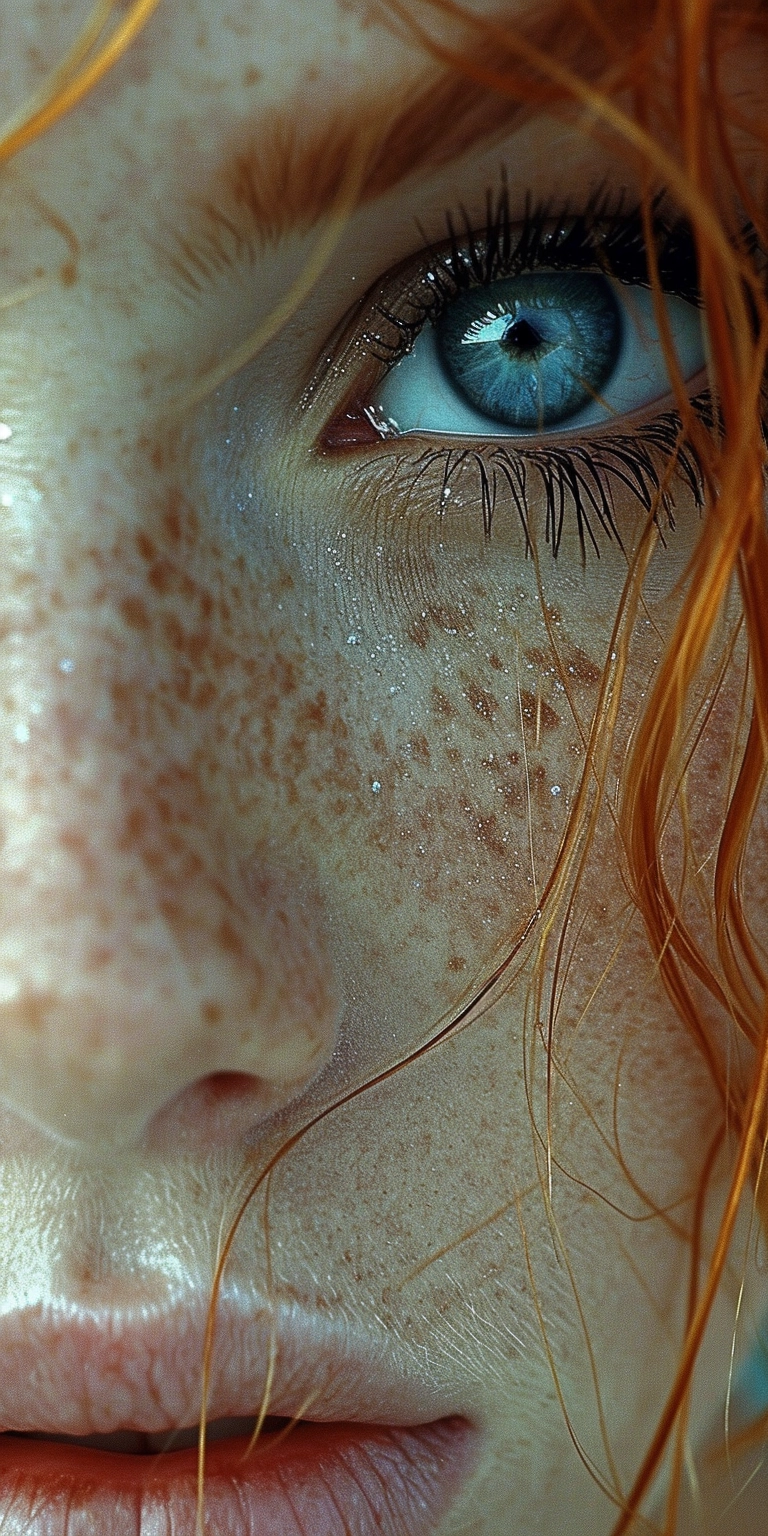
(287, 763)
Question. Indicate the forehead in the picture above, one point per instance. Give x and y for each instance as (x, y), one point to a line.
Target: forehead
(203, 73)
(209, 52)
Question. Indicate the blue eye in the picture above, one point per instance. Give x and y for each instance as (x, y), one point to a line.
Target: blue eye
(538, 352)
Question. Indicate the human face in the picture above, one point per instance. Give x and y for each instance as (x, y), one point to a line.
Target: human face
(288, 759)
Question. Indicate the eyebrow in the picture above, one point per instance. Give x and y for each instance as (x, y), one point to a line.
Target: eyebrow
(285, 172)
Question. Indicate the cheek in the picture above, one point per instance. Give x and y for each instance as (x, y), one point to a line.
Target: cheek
(405, 728)
(400, 707)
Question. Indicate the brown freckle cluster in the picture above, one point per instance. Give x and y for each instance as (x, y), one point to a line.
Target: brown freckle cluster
(538, 711)
(419, 748)
(491, 837)
(442, 706)
(449, 621)
(582, 668)
(511, 787)
(481, 701)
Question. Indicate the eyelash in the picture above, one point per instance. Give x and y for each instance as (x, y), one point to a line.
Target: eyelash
(603, 238)
(575, 476)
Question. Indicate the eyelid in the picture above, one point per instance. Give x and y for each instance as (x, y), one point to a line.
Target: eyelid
(605, 236)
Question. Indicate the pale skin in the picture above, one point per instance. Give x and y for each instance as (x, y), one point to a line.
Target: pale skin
(286, 759)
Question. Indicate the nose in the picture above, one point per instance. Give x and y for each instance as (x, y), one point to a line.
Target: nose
(155, 941)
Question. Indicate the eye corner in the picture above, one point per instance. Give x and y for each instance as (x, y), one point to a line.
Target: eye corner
(349, 428)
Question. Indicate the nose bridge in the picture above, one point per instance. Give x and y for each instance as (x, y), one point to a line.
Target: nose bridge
(146, 940)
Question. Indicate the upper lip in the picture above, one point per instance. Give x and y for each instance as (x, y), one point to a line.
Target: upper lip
(138, 1365)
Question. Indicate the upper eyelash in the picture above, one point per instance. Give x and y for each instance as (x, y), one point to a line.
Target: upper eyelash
(605, 236)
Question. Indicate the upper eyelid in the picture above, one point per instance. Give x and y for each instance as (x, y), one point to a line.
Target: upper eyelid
(601, 222)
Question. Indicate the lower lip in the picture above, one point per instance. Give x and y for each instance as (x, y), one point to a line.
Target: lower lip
(319, 1480)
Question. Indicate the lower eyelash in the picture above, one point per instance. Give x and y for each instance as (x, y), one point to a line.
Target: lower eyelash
(579, 479)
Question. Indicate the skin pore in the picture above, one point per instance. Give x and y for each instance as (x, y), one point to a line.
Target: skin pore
(290, 746)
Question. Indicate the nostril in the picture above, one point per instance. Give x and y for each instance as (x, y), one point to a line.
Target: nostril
(213, 1111)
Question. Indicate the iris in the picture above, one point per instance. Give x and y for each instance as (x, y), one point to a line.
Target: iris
(535, 353)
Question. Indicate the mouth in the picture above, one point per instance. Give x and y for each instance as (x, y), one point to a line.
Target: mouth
(91, 1441)
(303, 1479)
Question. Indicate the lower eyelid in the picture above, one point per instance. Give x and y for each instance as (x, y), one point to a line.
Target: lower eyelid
(543, 489)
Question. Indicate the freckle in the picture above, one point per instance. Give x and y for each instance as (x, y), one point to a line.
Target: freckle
(489, 835)
(68, 274)
(134, 828)
(145, 547)
(582, 668)
(441, 705)
(456, 963)
(211, 1013)
(377, 741)
(251, 75)
(453, 754)
(285, 677)
(483, 702)
(135, 613)
(230, 940)
(418, 633)
(495, 662)
(204, 695)
(160, 576)
(420, 749)
(77, 845)
(513, 758)
(537, 710)
(99, 956)
(173, 631)
(34, 1011)
(315, 710)
(172, 522)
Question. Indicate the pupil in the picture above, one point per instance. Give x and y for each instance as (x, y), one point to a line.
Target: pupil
(522, 337)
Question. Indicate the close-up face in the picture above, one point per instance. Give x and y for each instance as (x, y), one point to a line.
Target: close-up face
(351, 493)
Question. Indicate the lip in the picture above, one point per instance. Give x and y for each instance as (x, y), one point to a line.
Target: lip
(132, 1362)
(378, 1448)
(323, 1480)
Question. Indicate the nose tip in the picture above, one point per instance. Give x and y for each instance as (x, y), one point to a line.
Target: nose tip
(107, 1039)
(142, 953)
